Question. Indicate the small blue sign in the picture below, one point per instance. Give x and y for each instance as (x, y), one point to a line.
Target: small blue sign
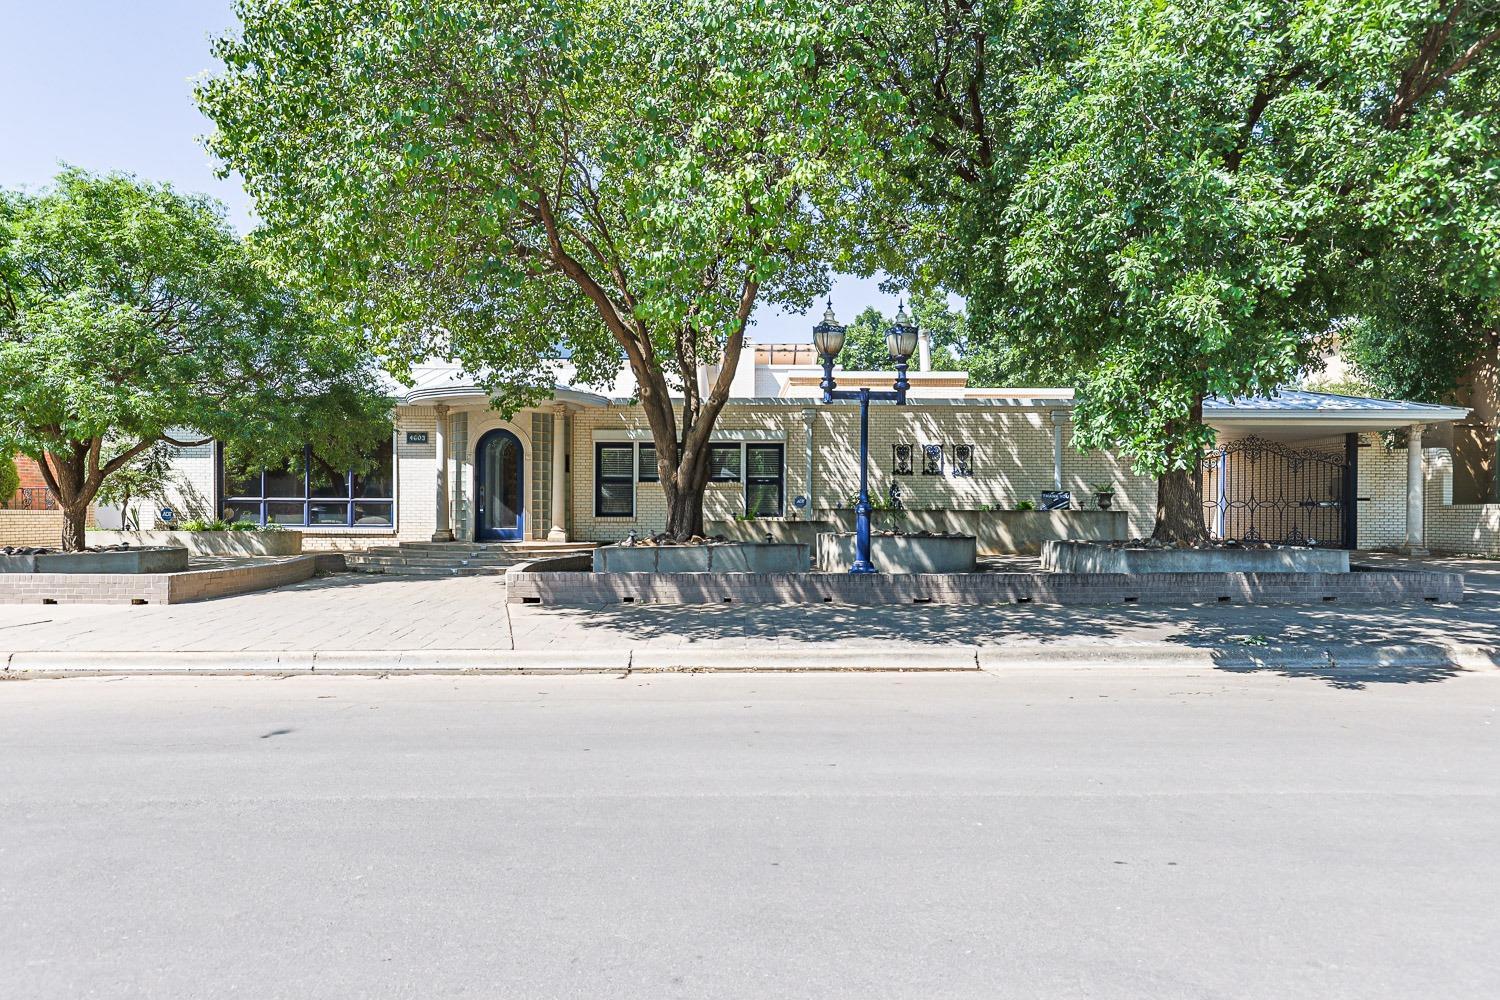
(167, 515)
(799, 502)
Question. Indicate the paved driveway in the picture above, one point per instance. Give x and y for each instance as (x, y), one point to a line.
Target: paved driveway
(1064, 834)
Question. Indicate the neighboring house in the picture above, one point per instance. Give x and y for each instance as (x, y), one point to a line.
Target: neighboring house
(31, 516)
(580, 466)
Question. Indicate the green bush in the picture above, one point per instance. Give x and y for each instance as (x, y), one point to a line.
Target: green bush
(10, 479)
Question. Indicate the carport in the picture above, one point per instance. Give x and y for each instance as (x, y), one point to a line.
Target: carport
(1286, 468)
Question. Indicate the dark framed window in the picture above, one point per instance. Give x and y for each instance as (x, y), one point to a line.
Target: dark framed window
(963, 460)
(932, 460)
(901, 459)
(648, 472)
(310, 491)
(723, 463)
(614, 480)
(765, 480)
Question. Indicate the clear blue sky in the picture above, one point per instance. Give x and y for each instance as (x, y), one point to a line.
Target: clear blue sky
(107, 85)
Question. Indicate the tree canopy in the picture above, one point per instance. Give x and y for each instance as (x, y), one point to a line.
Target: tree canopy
(504, 182)
(1161, 202)
(131, 315)
(864, 338)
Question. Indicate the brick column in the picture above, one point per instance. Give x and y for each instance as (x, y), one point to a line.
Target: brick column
(443, 524)
(559, 529)
(1415, 544)
(1057, 450)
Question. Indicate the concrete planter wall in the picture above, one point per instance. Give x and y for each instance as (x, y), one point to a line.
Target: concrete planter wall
(1007, 532)
(1076, 557)
(793, 532)
(900, 553)
(210, 543)
(727, 557)
(145, 560)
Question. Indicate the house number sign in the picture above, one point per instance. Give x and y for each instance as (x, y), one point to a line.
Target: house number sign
(416, 437)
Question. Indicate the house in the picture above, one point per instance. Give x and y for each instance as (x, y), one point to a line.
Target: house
(31, 516)
(1300, 467)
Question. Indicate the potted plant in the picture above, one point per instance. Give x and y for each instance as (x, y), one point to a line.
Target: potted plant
(1105, 494)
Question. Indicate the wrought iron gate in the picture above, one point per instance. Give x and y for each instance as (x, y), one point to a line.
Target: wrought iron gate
(1256, 490)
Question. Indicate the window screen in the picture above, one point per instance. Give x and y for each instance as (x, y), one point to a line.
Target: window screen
(765, 480)
(614, 480)
(724, 463)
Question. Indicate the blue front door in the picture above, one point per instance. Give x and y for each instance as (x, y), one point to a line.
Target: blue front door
(499, 481)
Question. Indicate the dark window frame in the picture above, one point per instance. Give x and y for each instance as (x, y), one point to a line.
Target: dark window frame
(600, 479)
(779, 479)
(738, 446)
(263, 502)
(646, 471)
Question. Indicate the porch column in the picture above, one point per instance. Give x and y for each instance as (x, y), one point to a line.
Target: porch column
(809, 420)
(559, 530)
(1057, 450)
(443, 528)
(1415, 544)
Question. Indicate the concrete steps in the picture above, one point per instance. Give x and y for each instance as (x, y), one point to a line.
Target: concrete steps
(454, 558)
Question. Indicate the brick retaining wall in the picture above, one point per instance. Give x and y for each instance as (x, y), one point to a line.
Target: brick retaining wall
(153, 588)
(1366, 587)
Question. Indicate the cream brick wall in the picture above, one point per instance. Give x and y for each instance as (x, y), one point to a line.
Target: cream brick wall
(1013, 462)
(191, 490)
(31, 528)
(1381, 493)
(416, 475)
(1469, 529)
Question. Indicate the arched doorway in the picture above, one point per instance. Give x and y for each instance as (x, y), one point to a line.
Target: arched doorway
(499, 487)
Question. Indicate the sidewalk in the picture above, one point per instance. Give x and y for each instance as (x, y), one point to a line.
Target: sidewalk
(376, 624)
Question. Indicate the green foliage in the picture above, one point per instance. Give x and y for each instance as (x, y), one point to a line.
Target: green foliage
(1025, 505)
(10, 478)
(1159, 202)
(131, 314)
(864, 339)
(512, 183)
(206, 524)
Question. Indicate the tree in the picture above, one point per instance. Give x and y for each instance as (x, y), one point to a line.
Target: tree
(1163, 202)
(864, 340)
(131, 315)
(10, 479)
(503, 182)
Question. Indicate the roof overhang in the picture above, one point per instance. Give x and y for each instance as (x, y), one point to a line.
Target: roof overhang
(466, 393)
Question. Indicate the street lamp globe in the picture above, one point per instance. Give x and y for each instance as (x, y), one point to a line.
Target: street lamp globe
(828, 336)
(901, 338)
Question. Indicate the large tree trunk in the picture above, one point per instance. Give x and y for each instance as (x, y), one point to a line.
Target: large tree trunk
(1179, 495)
(1179, 507)
(75, 527)
(685, 513)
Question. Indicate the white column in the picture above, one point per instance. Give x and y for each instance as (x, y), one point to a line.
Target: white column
(1415, 544)
(559, 530)
(924, 351)
(1057, 450)
(443, 526)
(809, 418)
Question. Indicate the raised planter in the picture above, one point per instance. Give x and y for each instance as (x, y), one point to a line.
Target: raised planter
(1008, 532)
(210, 543)
(144, 560)
(900, 553)
(785, 531)
(1081, 557)
(715, 557)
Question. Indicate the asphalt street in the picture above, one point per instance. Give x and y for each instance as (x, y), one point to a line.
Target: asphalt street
(1042, 834)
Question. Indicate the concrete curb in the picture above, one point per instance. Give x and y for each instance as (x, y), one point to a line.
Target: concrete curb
(913, 659)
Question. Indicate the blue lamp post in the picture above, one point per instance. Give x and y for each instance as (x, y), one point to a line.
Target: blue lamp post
(900, 341)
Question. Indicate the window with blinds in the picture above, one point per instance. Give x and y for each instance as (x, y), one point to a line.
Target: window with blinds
(765, 480)
(614, 480)
(723, 463)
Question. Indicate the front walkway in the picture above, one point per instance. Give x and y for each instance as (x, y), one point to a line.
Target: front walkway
(367, 614)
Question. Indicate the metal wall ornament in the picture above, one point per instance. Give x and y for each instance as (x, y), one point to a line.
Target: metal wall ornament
(963, 460)
(932, 460)
(901, 459)
(1255, 490)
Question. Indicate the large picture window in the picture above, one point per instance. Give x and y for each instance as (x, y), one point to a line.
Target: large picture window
(614, 480)
(311, 492)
